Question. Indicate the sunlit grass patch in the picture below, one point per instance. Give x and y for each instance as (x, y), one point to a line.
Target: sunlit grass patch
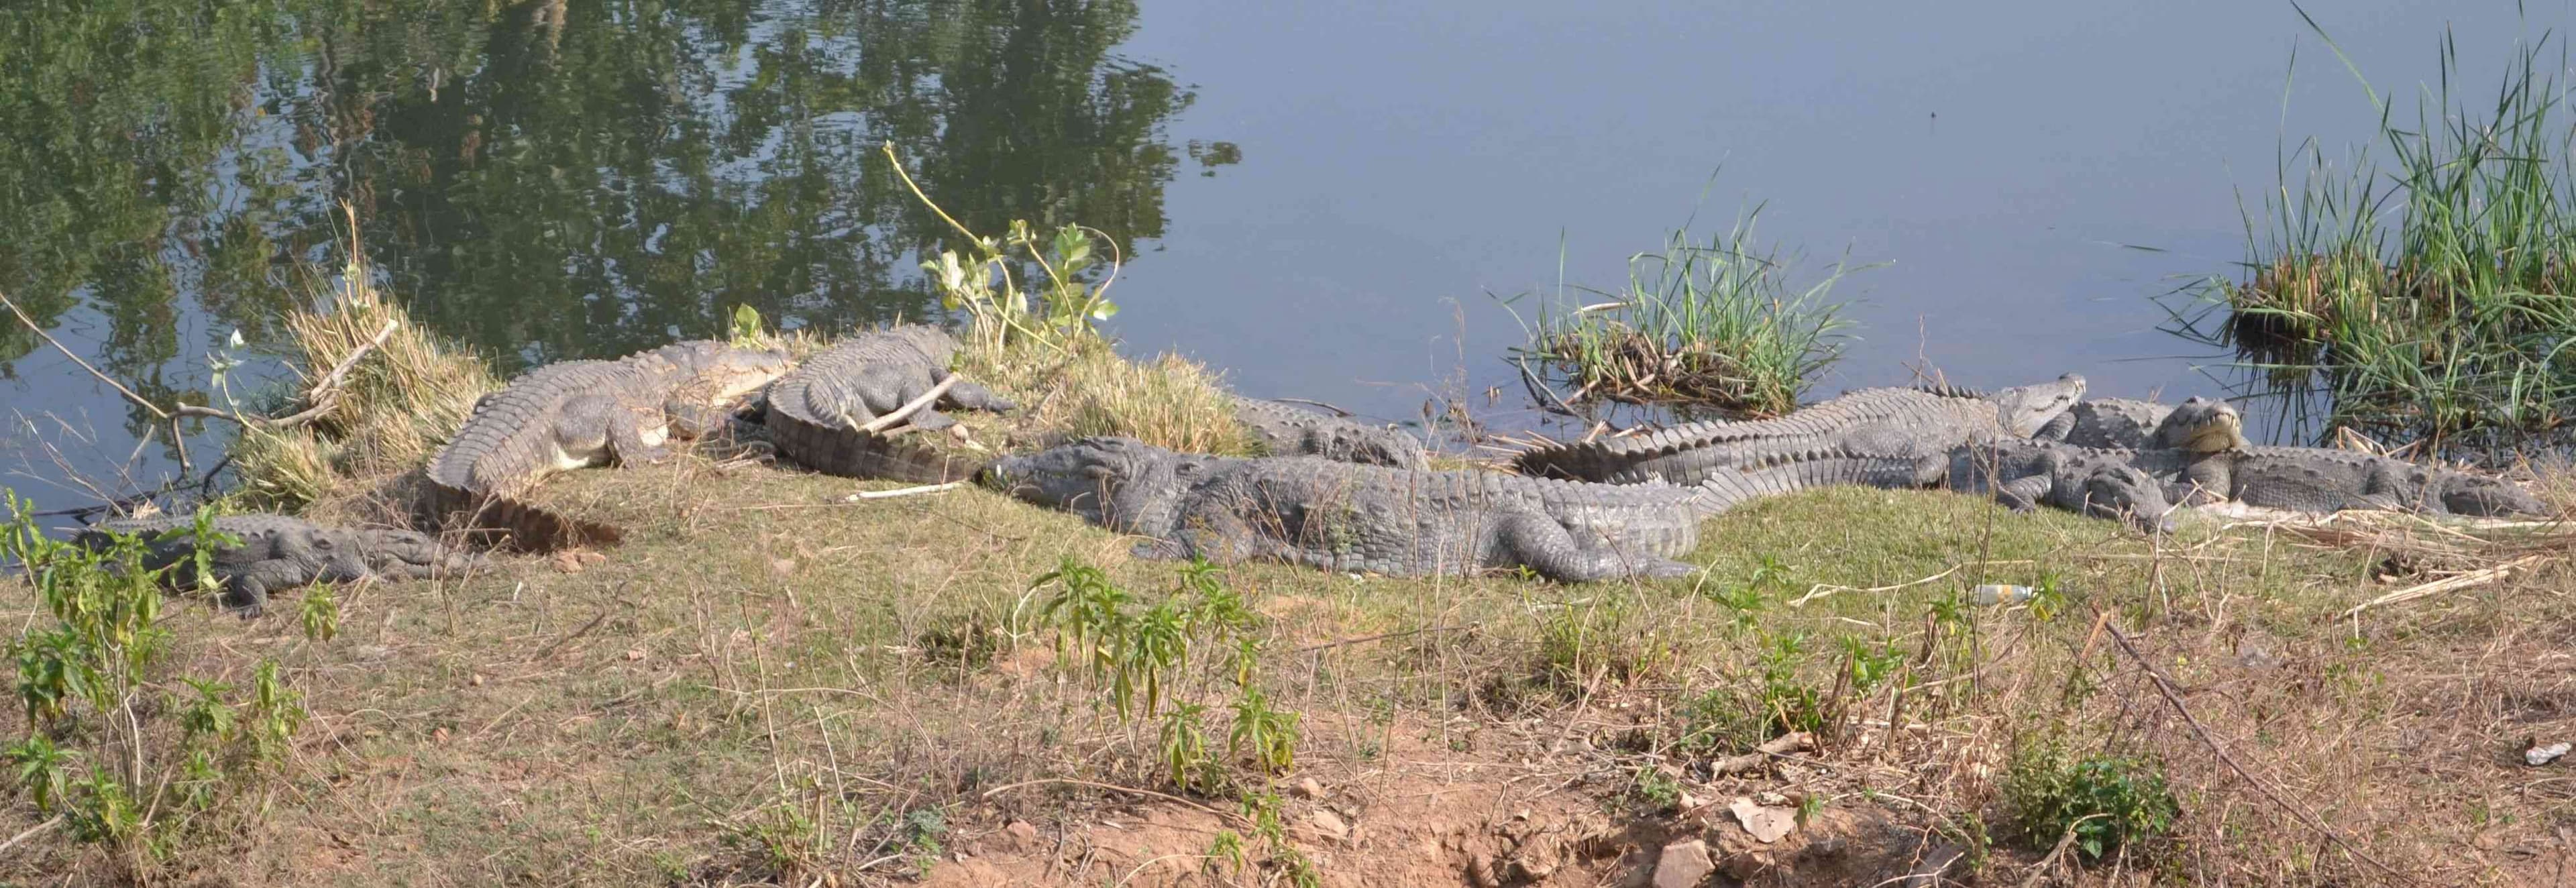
(1714, 323)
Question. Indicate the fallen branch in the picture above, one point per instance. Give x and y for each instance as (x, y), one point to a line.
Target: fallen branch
(1794, 741)
(881, 423)
(1220, 815)
(905, 491)
(30, 833)
(1381, 637)
(319, 398)
(2454, 583)
(2039, 871)
(2165, 688)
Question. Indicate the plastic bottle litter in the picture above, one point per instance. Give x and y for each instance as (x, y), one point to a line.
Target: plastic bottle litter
(1997, 593)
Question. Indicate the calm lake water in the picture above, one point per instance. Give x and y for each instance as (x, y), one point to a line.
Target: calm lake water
(1324, 200)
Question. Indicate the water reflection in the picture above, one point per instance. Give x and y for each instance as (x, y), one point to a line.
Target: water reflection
(553, 178)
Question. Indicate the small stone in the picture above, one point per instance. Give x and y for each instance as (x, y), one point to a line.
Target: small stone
(634, 654)
(1683, 865)
(1330, 824)
(2542, 755)
(1022, 834)
(1308, 789)
(1480, 873)
(476, 679)
(1767, 824)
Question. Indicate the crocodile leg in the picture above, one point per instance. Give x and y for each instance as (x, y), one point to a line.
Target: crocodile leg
(246, 591)
(969, 396)
(631, 442)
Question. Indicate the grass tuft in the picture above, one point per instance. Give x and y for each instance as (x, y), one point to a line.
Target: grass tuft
(399, 402)
(2428, 295)
(1715, 324)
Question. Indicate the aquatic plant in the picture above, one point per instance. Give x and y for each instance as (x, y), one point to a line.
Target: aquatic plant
(2429, 295)
(1712, 323)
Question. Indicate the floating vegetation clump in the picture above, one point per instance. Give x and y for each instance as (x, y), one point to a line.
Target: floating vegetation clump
(2429, 294)
(1713, 324)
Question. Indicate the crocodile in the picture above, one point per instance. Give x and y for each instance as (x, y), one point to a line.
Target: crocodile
(2325, 479)
(278, 552)
(574, 414)
(1921, 423)
(1399, 522)
(2206, 460)
(815, 412)
(2098, 482)
(1287, 430)
(2129, 424)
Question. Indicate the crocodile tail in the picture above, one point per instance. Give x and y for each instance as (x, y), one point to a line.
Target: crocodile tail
(499, 521)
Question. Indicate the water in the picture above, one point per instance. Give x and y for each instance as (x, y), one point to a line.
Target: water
(1324, 200)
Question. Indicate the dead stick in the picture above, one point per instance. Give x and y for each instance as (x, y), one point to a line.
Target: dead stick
(2165, 689)
(76, 359)
(1221, 815)
(31, 832)
(908, 491)
(879, 424)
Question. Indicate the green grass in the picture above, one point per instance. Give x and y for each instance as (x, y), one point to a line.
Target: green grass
(1714, 323)
(2424, 283)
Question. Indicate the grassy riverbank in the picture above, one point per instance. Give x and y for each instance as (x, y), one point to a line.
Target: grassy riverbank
(2425, 282)
(775, 682)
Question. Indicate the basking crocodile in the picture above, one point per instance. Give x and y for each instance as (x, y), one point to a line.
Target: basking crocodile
(278, 552)
(1344, 516)
(1922, 423)
(2128, 424)
(2024, 475)
(815, 412)
(1287, 430)
(2323, 479)
(573, 414)
(2207, 460)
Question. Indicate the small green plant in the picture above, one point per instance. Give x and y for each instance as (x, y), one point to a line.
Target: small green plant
(1270, 733)
(1871, 665)
(1650, 786)
(1139, 656)
(1713, 323)
(94, 754)
(2106, 802)
(1225, 855)
(1789, 703)
(745, 330)
(1185, 749)
(320, 612)
(1055, 308)
(1581, 645)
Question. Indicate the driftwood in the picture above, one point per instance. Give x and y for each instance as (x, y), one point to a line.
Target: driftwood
(319, 399)
(911, 407)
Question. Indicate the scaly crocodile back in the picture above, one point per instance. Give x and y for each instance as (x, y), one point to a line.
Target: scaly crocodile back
(1635, 458)
(506, 446)
(804, 408)
(1285, 430)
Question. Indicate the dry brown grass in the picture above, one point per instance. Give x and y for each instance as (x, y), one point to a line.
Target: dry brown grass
(1169, 401)
(400, 402)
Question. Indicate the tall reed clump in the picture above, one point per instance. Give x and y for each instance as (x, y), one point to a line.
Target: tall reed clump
(398, 403)
(1714, 324)
(2428, 295)
(1032, 306)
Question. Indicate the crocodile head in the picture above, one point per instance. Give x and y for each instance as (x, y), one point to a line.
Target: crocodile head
(2122, 492)
(2025, 410)
(1114, 482)
(717, 374)
(404, 553)
(2203, 425)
